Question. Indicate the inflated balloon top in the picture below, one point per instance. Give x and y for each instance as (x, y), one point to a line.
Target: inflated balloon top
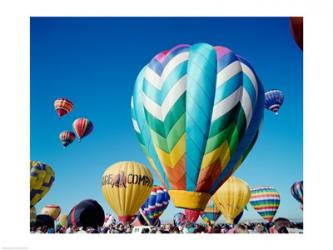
(82, 127)
(156, 203)
(266, 201)
(273, 100)
(41, 180)
(297, 192)
(51, 210)
(66, 137)
(196, 110)
(232, 197)
(63, 106)
(126, 186)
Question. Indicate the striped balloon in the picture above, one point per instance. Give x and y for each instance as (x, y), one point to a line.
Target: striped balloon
(41, 180)
(211, 213)
(266, 201)
(297, 192)
(273, 100)
(63, 106)
(196, 111)
(155, 205)
(82, 127)
(66, 137)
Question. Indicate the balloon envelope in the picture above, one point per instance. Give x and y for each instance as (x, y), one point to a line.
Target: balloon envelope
(32, 215)
(211, 213)
(41, 180)
(196, 111)
(297, 192)
(155, 205)
(63, 220)
(273, 100)
(179, 219)
(82, 127)
(238, 218)
(63, 106)
(66, 137)
(232, 197)
(87, 213)
(296, 25)
(265, 200)
(126, 186)
(51, 210)
(44, 220)
(192, 215)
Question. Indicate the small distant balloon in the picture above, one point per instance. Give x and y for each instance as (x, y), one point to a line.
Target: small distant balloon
(297, 192)
(82, 127)
(63, 106)
(66, 137)
(273, 100)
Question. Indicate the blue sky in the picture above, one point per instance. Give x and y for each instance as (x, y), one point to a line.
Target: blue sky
(95, 61)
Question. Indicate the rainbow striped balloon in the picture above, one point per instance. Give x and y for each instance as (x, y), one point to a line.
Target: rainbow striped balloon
(196, 110)
(211, 213)
(265, 200)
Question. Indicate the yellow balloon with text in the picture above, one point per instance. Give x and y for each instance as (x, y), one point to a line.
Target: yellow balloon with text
(126, 186)
(232, 197)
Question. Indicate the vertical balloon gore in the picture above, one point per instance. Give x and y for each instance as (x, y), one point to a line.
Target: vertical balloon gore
(196, 110)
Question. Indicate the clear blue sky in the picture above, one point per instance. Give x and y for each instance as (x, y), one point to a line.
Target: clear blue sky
(95, 61)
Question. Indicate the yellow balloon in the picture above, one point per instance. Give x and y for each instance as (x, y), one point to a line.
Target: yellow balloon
(126, 186)
(63, 220)
(232, 197)
(51, 210)
(32, 215)
(41, 180)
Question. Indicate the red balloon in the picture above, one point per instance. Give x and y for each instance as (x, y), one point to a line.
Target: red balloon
(296, 25)
(192, 215)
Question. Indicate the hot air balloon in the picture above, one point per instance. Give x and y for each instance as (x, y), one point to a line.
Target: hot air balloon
(211, 213)
(192, 215)
(62, 219)
(297, 192)
(232, 197)
(44, 220)
(32, 215)
(179, 219)
(155, 205)
(296, 25)
(273, 100)
(51, 210)
(126, 186)
(63, 106)
(41, 180)
(196, 111)
(82, 127)
(87, 213)
(66, 137)
(265, 200)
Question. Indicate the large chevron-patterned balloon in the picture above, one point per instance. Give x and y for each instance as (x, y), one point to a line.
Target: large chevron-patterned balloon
(196, 111)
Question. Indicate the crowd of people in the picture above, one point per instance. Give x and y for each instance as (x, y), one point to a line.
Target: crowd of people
(246, 227)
